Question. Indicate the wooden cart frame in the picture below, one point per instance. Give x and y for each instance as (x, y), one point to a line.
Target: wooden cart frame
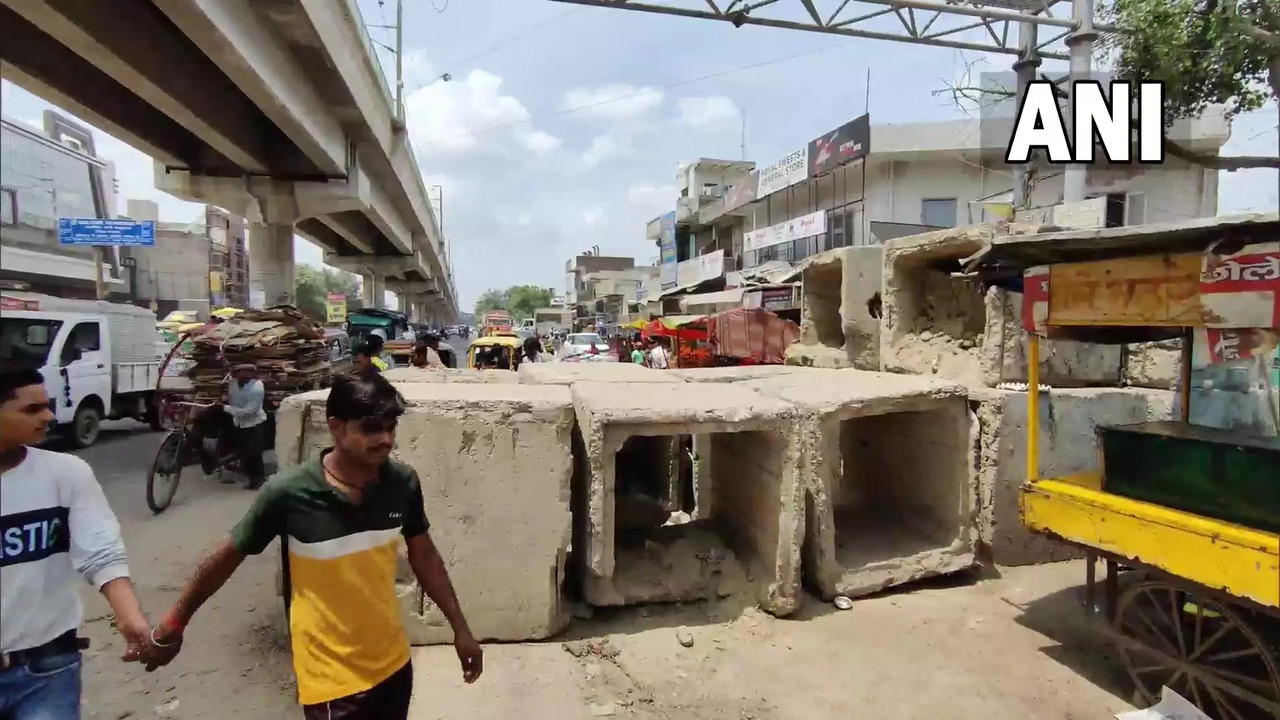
(1204, 616)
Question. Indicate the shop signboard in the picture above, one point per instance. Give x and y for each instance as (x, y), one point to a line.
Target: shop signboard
(784, 173)
(700, 269)
(667, 247)
(102, 232)
(814, 223)
(846, 144)
(777, 299)
(335, 308)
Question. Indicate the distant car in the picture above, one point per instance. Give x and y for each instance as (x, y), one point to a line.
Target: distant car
(582, 343)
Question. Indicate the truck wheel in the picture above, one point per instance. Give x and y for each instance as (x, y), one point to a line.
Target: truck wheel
(85, 426)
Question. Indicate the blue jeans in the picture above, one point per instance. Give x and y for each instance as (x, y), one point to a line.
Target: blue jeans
(43, 689)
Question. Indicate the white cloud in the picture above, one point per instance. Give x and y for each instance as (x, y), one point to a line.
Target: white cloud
(541, 142)
(592, 216)
(461, 114)
(616, 102)
(604, 147)
(715, 112)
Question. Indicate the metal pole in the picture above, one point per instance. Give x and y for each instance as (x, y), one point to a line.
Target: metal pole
(99, 287)
(1080, 51)
(1025, 66)
(400, 60)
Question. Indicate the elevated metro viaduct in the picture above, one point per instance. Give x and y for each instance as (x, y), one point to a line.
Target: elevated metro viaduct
(273, 109)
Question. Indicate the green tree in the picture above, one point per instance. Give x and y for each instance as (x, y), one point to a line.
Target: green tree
(1205, 52)
(312, 286)
(519, 300)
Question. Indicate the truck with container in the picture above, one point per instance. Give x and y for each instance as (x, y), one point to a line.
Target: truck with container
(100, 360)
(496, 321)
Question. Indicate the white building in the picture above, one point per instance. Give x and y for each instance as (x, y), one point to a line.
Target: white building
(922, 175)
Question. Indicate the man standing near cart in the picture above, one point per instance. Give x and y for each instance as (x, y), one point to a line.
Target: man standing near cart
(246, 397)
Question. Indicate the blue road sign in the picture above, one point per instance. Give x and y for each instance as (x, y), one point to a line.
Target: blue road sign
(104, 232)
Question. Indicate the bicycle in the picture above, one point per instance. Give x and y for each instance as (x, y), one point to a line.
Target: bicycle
(171, 458)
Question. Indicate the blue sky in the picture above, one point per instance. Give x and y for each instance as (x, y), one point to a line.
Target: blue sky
(531, 176)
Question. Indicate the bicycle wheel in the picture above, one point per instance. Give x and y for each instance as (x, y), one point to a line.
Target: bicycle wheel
(162, 481)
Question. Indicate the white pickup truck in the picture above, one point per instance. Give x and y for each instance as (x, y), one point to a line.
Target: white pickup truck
(99, 359)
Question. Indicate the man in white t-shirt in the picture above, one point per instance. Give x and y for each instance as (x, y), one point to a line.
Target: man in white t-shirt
(658, 358)
(55, 525)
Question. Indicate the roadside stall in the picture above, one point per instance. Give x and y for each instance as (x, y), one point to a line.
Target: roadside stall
(1186, 517)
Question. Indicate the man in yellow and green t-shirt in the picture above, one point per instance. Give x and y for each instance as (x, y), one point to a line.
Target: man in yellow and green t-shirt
(341, 518)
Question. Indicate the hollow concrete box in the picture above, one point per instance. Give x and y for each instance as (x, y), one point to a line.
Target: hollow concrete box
(938, 324)
(564, 373)
(887, 483)
(449, 375)
(495, 468)
(755, 453)
(840, 304)
(1068, 419)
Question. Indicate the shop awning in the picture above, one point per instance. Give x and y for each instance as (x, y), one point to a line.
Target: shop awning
(723, 297)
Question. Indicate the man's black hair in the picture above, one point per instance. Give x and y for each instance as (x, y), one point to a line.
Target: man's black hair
(13, 380)
(362, 348)
(375, 343)
(363, 396)
(532, 346)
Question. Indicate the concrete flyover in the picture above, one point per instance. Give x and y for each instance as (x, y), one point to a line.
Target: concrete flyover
(273, 109)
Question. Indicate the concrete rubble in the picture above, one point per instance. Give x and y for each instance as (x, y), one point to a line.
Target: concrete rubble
(449, 375)
(887, 477)
(495, 465)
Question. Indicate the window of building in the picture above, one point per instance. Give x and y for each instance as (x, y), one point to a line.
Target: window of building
(8, 206)
(938, 212)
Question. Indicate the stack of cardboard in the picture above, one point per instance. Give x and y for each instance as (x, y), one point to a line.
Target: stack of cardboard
(288, 349)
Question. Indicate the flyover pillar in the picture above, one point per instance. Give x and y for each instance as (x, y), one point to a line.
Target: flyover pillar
(271, 276)
(374, 290)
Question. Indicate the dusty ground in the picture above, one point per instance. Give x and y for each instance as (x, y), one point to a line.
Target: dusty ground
(1006, 648)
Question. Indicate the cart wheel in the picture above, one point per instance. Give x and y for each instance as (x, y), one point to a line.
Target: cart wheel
(162, 481)
(1200, 648)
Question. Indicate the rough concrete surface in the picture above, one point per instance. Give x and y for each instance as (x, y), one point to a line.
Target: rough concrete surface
(1063, 363)
(840, 306)
(939, 324)
(887, 482)
(754, 457)
(1153, 365)
(563, 373)
(1068, 417)
(449, 375)
(495, 465)
(735, 373)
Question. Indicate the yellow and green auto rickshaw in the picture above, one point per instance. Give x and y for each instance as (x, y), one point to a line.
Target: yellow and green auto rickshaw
(494, 352)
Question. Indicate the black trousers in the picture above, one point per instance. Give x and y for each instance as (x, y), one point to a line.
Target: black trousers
(389, 700)
(249, 444)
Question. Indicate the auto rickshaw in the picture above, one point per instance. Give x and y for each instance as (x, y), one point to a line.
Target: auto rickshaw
(506, 348)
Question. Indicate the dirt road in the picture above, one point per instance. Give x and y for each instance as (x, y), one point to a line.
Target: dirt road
(1007, 648)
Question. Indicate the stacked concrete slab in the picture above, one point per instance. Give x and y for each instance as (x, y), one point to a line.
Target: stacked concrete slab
(449, 375)
(1069, 418)
(495, 465)
(887, 477)
(563, 373)
(748, 498)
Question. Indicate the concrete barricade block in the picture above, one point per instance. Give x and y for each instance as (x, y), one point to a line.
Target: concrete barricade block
(1068, 420)
(888, 484)
(495, 467)
(736, 373)
(450, 375)
(744, 504)
(939, 321)
(840, 309)
(565, 373)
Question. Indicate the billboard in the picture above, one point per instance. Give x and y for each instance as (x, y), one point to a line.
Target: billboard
(106, 233)
(667, 246)
(743, 192)
(814, 223)
(335, 308)
(846, 144)
(784, 173)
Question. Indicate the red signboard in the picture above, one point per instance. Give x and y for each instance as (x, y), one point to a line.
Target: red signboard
(12, 303)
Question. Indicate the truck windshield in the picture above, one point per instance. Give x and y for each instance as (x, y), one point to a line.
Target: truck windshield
(26, 341)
